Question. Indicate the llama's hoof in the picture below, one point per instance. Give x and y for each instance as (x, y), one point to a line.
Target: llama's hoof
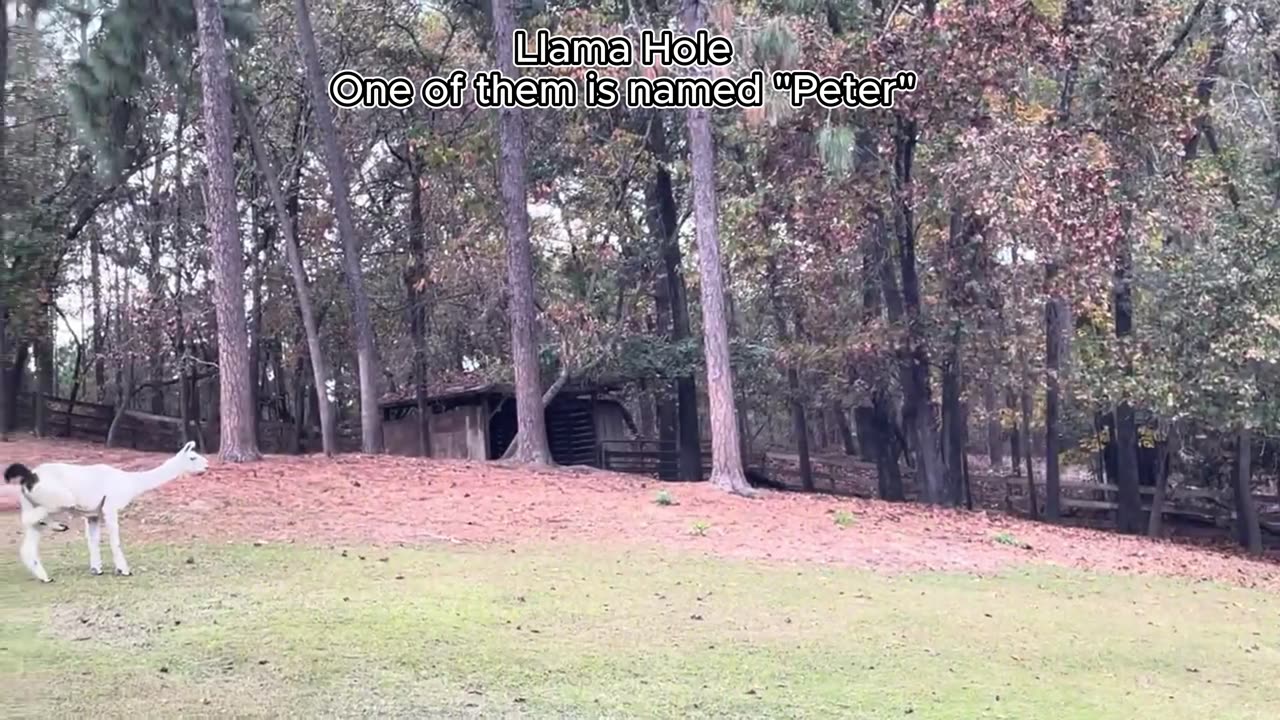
(95, 571)
(122, 572)
(46, 580)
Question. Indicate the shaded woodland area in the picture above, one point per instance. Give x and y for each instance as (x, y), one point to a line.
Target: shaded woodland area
(1060, 251)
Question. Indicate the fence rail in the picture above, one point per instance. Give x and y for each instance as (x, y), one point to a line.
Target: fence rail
(1206, 505)
(647, 457)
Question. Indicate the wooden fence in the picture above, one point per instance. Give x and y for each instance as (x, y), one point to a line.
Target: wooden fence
(1203, 505)
(646, 457)
(80, 420)
(139, 430)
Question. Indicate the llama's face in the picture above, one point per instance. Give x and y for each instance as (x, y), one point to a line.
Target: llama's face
(192, 461)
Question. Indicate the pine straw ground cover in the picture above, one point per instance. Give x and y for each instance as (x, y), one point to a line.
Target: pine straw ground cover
(392, 587)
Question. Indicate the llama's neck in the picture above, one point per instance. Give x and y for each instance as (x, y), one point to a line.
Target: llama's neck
(140, 482)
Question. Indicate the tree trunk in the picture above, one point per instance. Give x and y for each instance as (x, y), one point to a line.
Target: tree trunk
(1033, 501)
(186, 402)
(963, 226)
(739, 392)
(954, 427)
(6, 407)
(842, 427)
(917, 405)
(551, 392)
(726, 446)
(800, 428)
(75, 387)
(664, 226)
(17, 374)
(953, 449)
(648, 419)
(101, 321)
(1015, 438)
(320, 372)
(114, 428)
(42, 345)
(416, 282)
(367, 360)
(155, 287)
(866, 448)
(1129, 514)
(881, 437)
(1052, 352)
(664, 404)
(301, 416)
(279, 398)
(1250, 534)
(877, 431)
(799, 425)
(530, 418)
(238, 443)
(995, 434)
(258, 241)
(1156, 518)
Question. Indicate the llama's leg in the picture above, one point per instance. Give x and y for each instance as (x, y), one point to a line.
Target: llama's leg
(93, 531)
(30, 553)
(33, 516)
(112, 519)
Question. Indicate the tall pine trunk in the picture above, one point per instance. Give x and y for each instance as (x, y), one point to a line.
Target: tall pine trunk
(42, 344)
(190, 428)
(1032, 500)
(663, 224)
(726, 445)
(664, 397)
(238, 443)
(1015, 438)
(799, 423)
(1250, 534)
(257, 272)
(955, 418)
(320, 372)
(995, 434)
(415, 283)
(917, 404)
(1129, 499)
(843, 430)
(155, 287)
(531, 432)
(6, 407)
(1052, 353)
(367, 361)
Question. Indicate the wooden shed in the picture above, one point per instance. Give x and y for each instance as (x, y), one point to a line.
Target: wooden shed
(478, 422)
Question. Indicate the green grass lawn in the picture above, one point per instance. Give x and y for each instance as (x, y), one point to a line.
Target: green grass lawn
(280, 631)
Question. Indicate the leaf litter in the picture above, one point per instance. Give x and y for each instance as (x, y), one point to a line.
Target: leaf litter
(392, 500)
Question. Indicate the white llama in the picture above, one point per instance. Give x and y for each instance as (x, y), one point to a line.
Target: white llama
(95, 492)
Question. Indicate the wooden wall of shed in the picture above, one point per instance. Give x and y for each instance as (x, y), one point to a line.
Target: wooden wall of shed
(461, 432)
(610, 424)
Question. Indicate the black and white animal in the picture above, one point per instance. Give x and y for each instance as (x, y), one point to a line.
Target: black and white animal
(95, 492)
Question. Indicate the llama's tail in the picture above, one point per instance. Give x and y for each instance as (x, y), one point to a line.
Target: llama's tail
(23, 474)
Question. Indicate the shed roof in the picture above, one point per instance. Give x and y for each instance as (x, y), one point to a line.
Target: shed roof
(468, 386)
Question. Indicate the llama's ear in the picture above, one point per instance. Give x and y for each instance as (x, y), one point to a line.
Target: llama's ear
(188, 447)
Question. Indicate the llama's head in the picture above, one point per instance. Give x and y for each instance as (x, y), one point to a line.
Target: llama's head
(190, 461)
